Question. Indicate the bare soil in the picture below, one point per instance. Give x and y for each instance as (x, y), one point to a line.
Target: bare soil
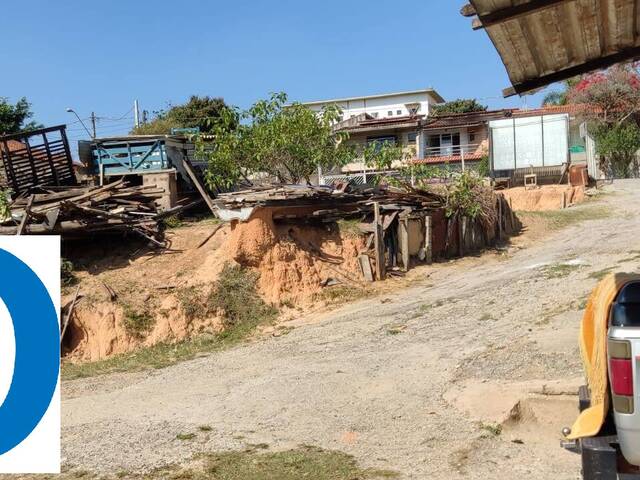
(464, 369)
(144, 289)
(544, 198)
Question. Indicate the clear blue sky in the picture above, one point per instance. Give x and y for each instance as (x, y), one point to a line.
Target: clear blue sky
(101, 55)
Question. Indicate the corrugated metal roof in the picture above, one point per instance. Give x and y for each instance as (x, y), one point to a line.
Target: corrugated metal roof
(545, 41)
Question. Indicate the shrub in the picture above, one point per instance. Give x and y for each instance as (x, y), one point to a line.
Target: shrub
(235, 295)
(193, 302)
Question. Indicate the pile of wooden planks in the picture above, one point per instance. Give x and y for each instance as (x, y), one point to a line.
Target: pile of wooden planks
(78, 211)
(324, 203)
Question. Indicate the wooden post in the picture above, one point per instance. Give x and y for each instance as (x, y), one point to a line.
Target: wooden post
(379, 243)
(500, 219)
(461, 233)
(198, 184)
(403, 229)
(428, 239)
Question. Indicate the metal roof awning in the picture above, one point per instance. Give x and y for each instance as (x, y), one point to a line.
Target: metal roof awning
(546, 41)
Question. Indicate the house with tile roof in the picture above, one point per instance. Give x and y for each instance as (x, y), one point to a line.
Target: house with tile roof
(463, 140)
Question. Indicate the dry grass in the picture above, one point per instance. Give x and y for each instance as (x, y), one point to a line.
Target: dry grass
(253, 463)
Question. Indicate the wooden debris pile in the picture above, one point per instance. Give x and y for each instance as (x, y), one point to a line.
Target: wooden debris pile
(79, 211)
(323, 203)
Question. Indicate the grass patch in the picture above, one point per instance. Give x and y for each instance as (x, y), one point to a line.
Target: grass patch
(396, 329)
(233, 295)
(350, 227)
(600, 274)
(559, 270)
(493, 429)
(173, 222)
(340, 294)
(635, 255)
(486, 317)
(559, 219)
(205, 428)
(253, 464)
(185, 436)
(137, 322)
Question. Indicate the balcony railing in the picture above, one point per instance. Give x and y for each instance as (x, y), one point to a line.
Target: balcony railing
(451, 150)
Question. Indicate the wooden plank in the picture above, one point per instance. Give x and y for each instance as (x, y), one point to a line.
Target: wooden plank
(516, 11)
(428, 239)
(196, 181)
(379, 244)
(403, 231)
(560, 75)
(25, 216)
(365, 266)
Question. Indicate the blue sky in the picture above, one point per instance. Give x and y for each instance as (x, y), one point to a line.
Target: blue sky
(100, 56)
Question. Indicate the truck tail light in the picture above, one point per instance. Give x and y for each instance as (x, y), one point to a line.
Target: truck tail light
(621, 375)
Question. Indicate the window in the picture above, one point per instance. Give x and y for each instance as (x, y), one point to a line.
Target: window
(412, 137)
(399, 112)
(374, 114)
(472, 137)
(380, 141)
(390, 113)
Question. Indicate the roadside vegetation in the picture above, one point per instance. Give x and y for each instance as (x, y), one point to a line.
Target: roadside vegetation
(233, 296)
(253, 463)
(559, 219)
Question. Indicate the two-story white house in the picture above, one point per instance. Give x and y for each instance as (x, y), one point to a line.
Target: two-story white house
(386, 105)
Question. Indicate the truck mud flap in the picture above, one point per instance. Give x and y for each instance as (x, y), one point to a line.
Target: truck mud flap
(599, 458)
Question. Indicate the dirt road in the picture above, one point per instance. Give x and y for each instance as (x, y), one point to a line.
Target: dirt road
(421, 381)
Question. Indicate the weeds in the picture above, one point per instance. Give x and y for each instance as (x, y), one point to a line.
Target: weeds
(185, 436)
(205, 428)
(350, 227)
(66, 268)
(559, 270)
(192, 301)
(253, 463)
(559, 219)
(600, 274)
(494, 429)
(340, 294)
(234, 295)
(5, 204)
(137, 322)
(173, 222)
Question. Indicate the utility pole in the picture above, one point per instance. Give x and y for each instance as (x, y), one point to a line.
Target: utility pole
(93, 124)
(136, 114)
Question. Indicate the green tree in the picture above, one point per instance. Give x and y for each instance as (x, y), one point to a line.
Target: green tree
(382, 155)
(13, 118)
(285, 141)
(460, 105)
(613, 100)
(201, 112)
(619, 144)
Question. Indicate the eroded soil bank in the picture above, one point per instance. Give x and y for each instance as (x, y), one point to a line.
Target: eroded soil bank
(133, 297)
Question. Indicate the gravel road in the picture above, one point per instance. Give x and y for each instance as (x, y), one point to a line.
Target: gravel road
(467, 372)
